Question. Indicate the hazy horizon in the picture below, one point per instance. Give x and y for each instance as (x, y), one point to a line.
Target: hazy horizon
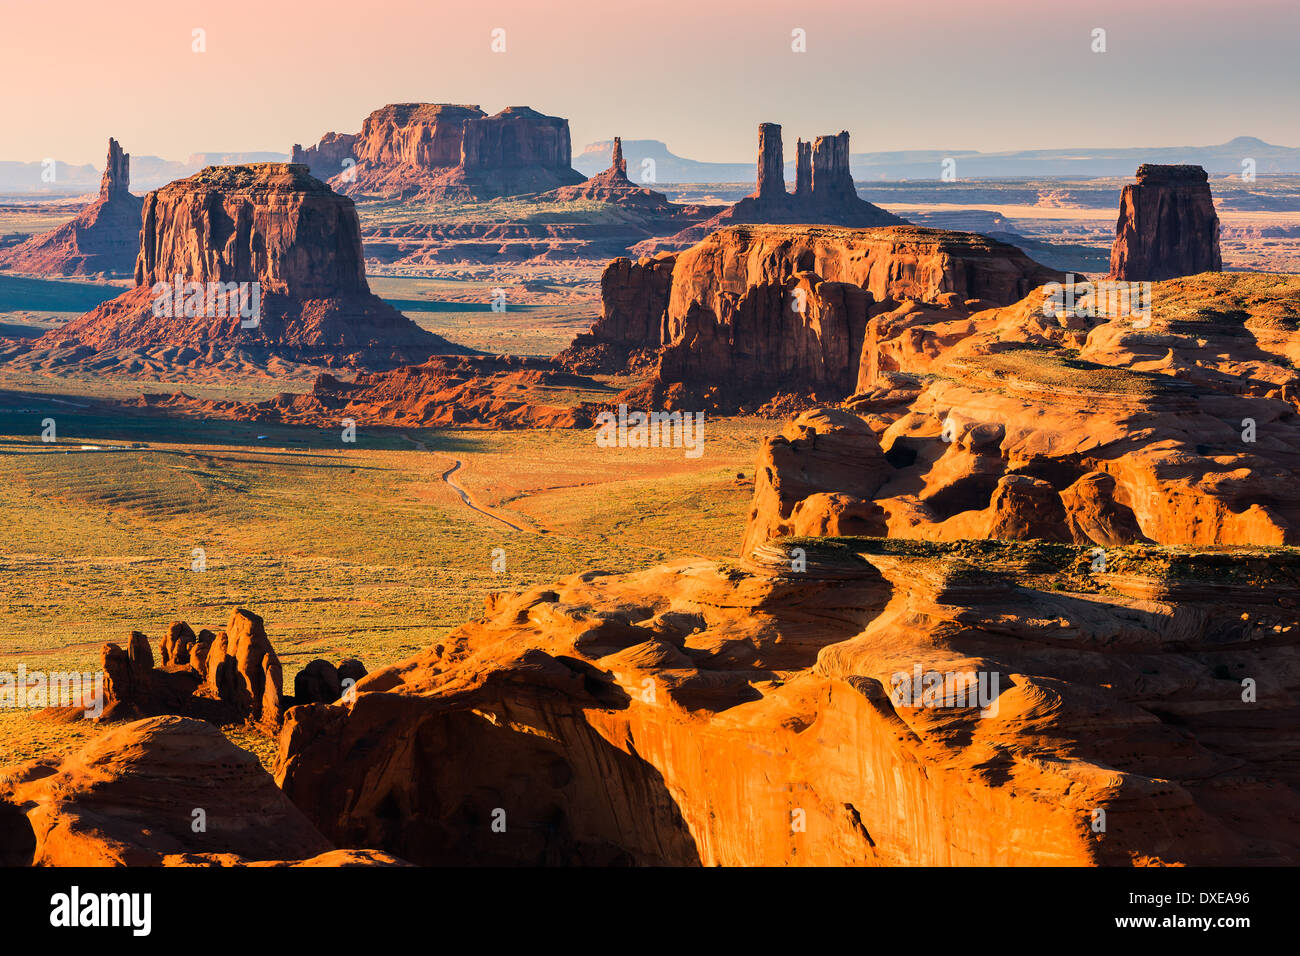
(698, 79)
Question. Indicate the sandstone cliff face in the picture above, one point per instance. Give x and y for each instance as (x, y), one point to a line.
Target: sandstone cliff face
(103, 238)
(1167, 226)
(1007, 423)
(788, 306)
(327, 158)
(694, 715)
(270, 224)
(444, 151)
(771, 162)
(830, 180)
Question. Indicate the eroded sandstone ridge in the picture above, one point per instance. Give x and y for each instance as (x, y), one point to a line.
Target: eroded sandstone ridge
(137, 795)
(753, 714)
(499, 391)
(103, 238)
(787, 307)
(231, 676)
(296, 245)
(1180, 427)
(1167, 226)
(824, 192)
(446, 151)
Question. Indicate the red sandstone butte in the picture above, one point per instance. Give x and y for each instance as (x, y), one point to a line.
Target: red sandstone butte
(787, 306)
(824, 192)
(103, 238)
(1167, 226)
(268, 223)
(447, 151)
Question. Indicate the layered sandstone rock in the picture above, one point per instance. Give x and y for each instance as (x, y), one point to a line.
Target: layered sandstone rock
(294, 243)
(586, 721)
(824, 193)
(103, 238)
(446, 151)
(1179, 428)
(787, 307)
(1167, 226)
(166, 791)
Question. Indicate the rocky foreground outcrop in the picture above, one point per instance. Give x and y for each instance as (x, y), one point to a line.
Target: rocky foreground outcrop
(824, 193)
(440, 151)
(1167, 226)
(103, 238)
(231, 676)
(787, 307)
(760, 713)
(166, 791)
(1180, 427)
(286, 247)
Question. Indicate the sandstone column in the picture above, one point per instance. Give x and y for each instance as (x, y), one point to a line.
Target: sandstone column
(771, 161)
(831, 179)
(1167, 226)
(117, 172)
(803, 169)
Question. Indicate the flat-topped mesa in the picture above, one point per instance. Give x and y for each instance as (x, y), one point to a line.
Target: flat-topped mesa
(1167, 226)
(103, 238)
(448, 151)
(273, 223)
(771, 162)
(287, 240)
(787, 307)
(117, 173)
(517, 136)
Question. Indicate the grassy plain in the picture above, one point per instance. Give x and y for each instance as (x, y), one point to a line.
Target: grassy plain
(346, 550)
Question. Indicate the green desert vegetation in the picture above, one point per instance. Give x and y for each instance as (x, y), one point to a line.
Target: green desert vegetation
(346, 550)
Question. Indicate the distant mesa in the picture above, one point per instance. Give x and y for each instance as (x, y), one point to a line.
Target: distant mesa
(1167, 226)
(103, 238)
(446, 151)
(293, 242)
(824, 193)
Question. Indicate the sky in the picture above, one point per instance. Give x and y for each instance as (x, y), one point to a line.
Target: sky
(987, 75)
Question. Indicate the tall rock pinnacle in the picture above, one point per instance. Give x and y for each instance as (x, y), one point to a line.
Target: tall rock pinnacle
(771, 161)
(117, 173)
